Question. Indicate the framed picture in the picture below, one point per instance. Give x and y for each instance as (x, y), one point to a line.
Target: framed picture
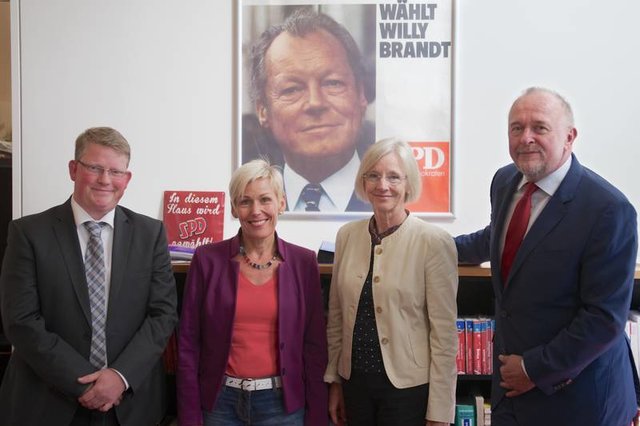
(319, 82)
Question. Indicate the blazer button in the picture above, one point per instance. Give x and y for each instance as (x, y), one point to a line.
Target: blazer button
(379, 250)
(384, 341)
(376, 279)
(504, 314)
(379, 310)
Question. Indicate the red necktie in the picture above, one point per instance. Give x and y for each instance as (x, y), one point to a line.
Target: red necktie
(517, 229)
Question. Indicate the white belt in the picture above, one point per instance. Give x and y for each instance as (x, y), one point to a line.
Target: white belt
(253, 384)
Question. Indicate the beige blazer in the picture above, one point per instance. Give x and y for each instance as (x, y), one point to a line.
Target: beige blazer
(415, 281)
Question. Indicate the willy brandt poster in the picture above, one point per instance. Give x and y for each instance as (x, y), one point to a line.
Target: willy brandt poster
(320, 82)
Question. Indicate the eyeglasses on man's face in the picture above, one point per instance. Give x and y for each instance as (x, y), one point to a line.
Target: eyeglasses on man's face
(392, 179)
(99, 171)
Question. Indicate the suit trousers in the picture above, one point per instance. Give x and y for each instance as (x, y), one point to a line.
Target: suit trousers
(86, 417)
(371, 399)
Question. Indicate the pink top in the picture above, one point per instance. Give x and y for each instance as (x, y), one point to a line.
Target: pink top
(254, 341)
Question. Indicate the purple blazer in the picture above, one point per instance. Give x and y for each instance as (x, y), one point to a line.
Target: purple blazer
(206, 323)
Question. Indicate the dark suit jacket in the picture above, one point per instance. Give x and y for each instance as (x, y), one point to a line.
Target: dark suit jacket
(566, 300)
(46, 316)
(206, 325)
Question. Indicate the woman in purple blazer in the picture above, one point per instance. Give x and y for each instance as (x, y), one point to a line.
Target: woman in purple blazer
(252, 341)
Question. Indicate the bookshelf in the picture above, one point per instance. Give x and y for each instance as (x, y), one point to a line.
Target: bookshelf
(475, 298)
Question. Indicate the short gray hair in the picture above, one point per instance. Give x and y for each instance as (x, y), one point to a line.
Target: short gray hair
(104, 136)
(408, 162)
(253, 170)
(563, 102)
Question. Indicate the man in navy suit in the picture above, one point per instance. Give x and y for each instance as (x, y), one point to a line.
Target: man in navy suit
(48, 309)
(561, 355)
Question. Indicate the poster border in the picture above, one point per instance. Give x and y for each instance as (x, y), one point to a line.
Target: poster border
(237, 102)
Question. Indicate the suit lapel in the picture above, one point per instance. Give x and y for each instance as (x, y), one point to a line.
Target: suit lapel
(67, 235)
(553, 213)
(122, 235)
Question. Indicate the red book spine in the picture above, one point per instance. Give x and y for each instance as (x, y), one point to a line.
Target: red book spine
(460, 355)
(468, 335)
(485, 346)
(477, 346)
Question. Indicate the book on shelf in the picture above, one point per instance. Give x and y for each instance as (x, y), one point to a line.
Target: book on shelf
(487, 414)
(460, 355)
(465, 415)
(475, 345)
(191, 219)
(479, 410)
(632, 329)
(468, 341)
(473, 410)
(478, 340)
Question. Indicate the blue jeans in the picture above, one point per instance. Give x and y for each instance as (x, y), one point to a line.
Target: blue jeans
(236, 407)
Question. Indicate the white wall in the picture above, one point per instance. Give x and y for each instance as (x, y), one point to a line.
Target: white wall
(162, 72)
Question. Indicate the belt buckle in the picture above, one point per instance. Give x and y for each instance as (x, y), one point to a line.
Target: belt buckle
(247, 385)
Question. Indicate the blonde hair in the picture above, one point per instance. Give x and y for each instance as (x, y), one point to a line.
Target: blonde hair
(253, 170)
(104, 136)
(408, 163)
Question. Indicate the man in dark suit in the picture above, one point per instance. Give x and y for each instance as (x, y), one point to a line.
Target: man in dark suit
(60, 372)
(311, 90)
(562, 357)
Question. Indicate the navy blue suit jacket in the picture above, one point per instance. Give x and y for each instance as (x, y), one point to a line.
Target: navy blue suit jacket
(566, 301)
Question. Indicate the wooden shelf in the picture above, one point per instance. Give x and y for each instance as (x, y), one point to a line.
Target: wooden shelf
(325, 269)
(182, 266)
(474, 377)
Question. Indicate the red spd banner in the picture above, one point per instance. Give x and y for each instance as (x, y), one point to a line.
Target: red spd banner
(433, 162)
(193, 218)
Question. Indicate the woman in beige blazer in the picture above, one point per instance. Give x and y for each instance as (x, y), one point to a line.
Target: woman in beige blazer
(392, 305)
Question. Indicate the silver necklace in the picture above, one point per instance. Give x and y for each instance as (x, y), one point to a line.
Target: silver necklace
(257, 265)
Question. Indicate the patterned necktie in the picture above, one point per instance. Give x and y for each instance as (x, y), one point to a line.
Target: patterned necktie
(95, 272)
(517, 229)
(311, 194)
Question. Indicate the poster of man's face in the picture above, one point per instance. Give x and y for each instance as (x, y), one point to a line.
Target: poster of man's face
(307, 98)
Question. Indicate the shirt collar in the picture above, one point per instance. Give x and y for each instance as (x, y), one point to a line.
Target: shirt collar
(549, 184)
(81, 216)
(338, 187)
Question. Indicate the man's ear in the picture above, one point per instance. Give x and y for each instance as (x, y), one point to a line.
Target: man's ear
(73, 169)
(572, 134)
(261, 111)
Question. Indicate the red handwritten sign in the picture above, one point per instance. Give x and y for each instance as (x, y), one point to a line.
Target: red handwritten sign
(193, 218)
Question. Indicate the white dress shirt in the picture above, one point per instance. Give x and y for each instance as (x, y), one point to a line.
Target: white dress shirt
(81, 216)
(338, 187)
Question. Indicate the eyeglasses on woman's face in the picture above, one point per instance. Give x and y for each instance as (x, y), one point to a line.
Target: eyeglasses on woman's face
(392, 179)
